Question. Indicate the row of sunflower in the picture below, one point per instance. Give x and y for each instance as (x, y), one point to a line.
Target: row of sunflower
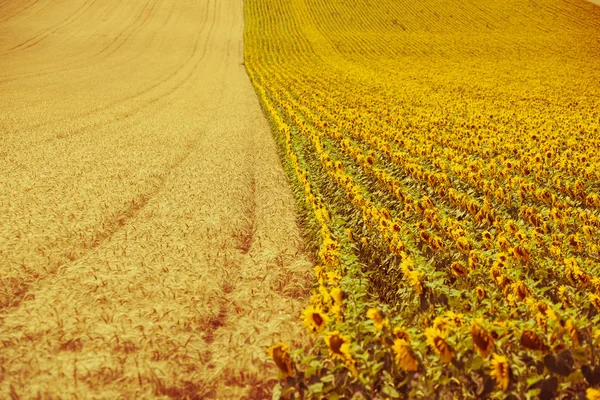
(457, 221)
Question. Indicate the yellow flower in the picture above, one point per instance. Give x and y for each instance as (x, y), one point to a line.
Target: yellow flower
(337, 296)
(573, 333)
(280, 354)
(482, 340)
(404, 355)
(520, 290)
(319, 273)
(531, 340)
(400, 333)
(436, 339)
(414, 278)
(463, 244)
(379, 321)
(480, 292)
(562, 295)
(595, 300)
(339, 345)
(592, 394)
(458, 269)
(500, 371)
(455, 318)
(314, 319)
(326, 298)
(441, 323)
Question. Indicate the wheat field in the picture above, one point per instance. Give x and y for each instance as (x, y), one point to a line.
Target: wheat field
(148, 237)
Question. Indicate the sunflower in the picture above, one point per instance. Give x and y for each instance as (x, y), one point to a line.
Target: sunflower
(455, 318)
(531, 340)
(325, 297)
(500, 371)
(404, 355)
(458, 269)
(379, 321)
(502, 243)
(441, 323)
(520, 290)
(400, 333)
(281, 355)
(414, 278)
(573, 333)
(334, 277)
(463, 244)
(436, 244)
(337, 295)
(541, 321)
(338, 344)
(562, 295)
(520, 253)
(595, 300)
(588, 232)
(474, 260)
(592, 394)
(480, 292)
(437, 341)
(482, 340)
(314, 319)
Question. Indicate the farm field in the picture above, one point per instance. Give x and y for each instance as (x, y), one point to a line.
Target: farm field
(148, 238)
(445, 158)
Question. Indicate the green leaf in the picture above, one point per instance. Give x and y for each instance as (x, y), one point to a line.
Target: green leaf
(533, 393)
(533, 380)
(316, 387)
(276, 391)
(390, 391)
(476, 364)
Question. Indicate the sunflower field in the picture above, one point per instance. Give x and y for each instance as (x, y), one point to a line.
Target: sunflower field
(446, 159)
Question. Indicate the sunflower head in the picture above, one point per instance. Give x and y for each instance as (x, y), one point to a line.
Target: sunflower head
(573, 333)
(414, 278)
(339, 345)
(337, 295)
(592, 394)
(482, 340)
(379, 321)
(400, 333)
(456, 319)
(281, 355)
(500, 371)
(404, 355)
(436, 339)
(458, 269)
(480, 292)
(441, 323)
(520, 290)
(531, 340)
(595, 300)
(314, 319)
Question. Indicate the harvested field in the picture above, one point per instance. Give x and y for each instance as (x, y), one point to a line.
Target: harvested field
(148, 238)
